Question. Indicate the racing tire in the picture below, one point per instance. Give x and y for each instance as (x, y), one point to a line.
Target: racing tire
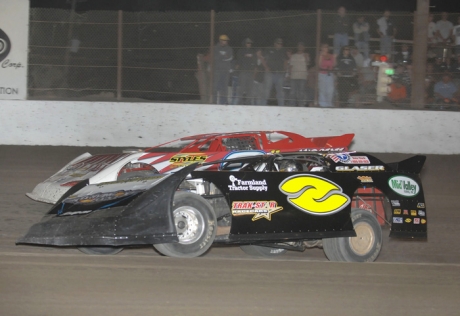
(365, 247)
(100, 250)
(196, 227)
(262, 251)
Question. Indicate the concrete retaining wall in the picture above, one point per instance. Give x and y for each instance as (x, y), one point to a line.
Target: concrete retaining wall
(146, 124)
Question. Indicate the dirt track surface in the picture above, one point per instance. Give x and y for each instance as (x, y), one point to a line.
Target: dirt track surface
(409, 278)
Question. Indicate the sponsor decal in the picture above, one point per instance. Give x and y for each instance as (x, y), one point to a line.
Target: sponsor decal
(360, 168)
(95, 163)
(5, 45)
(421, 213)
(365, 179)
(397, 211)
(314, 195)
(395, 203)
(423, 221)
(413, 213)
(406, 212)
(404, 186)
(397, 220)
(187, 159)
(259, 209)
(417, 220)
(247, 185)
(347, 159)
(420, 205)
(408, 220)
(323, 149)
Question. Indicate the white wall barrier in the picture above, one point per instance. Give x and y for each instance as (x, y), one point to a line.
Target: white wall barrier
(146, 124)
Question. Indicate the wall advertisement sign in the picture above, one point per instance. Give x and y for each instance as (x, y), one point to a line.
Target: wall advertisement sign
(14, 29)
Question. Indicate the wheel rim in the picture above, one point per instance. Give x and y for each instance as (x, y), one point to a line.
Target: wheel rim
(189, 224)
(364, 240)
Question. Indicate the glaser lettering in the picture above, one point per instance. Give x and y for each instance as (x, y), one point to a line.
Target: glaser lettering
(360, 168)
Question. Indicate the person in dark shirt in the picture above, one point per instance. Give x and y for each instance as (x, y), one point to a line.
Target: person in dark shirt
(223, 56)
(341, 26)
(404, 56)
(346, 75)
(246, 64)
(275, 62)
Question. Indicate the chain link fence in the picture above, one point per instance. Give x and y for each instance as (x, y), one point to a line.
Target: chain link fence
(168, 56)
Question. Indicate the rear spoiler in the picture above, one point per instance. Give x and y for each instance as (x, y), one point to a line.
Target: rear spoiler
(412, 165)
(333, 141)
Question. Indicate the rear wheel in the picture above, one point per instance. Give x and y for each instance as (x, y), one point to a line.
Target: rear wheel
(100, 250)
(261, 251)
(365, 247)
(196, 226)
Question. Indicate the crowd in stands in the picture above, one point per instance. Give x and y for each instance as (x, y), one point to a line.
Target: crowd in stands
(345, 75)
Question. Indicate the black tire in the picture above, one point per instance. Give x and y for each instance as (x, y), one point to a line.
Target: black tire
(196, 227)
(363, 248)
(100, 250)
(261, 251)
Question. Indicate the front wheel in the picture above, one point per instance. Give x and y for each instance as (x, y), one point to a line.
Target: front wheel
(365, 247)
(196, 226)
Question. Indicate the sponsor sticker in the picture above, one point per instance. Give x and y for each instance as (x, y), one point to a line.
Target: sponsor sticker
(397, 220)
(359, 168)
(365, 179)
(397, 211)
(420, 205)
(247, 185)
(314, 195)
(421, 213)
(395, 203)
(423, 221)
(406, 212)
(404, 186)
(187, 159)
(352, 160)
(417, 221)
(259, 209)
(408, 220)
(323, 149)
(413, 213)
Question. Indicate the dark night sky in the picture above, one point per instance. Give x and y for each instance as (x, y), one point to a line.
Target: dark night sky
(246, 5)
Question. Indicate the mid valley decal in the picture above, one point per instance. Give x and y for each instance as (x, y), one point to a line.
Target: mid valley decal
(247, 185)
(404, 186)
(259, 209)
(187, 159)
(347, 159)
(314, 195)
(360, 168)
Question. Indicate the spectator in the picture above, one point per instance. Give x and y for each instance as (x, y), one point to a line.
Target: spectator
(258, 92)
(361, 31)
(246, 65)
(325, 77)
(223, 55)
(398, 93)
(404, 56)
(430, 81)
(403, 73)
(432, 35)
(444, 34)
(358, 57)
(455, 70)
(298, 64)
(346, 76)
(341, 25)
(387, 33)
(439, 66)
(445, 90)
(367, 78)
(456, 37)
(275, 63)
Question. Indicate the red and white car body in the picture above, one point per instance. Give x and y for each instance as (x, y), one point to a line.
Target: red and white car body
(172, 156)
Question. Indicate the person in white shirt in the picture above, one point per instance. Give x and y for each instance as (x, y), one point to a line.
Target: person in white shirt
(361, 31)
(298, 65)
(431, 30)
(456, 37)
(444, 34)
(387, 32)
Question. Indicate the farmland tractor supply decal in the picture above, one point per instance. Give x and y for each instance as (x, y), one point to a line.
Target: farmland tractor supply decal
(314, 195)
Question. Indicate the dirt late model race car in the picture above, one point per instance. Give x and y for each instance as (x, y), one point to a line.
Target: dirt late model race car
(172, 156)
(271, 204)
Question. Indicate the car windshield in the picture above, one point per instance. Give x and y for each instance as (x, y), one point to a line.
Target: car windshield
(173, 146)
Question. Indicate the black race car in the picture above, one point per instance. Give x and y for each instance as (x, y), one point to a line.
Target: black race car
(267, 204)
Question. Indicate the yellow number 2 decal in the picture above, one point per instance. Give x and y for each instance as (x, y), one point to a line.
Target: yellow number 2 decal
(314, 195)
